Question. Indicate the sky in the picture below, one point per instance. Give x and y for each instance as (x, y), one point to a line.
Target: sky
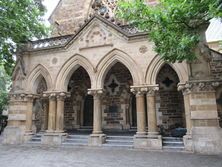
(214, 32)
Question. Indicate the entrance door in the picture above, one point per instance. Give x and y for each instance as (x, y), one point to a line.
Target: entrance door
(88, 111)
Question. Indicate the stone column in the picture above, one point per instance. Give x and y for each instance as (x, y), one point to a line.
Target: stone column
(97, 138)
(52, 113)
(45, 113)
(60, 113)
(151, 115)
(140, 110)
(29, 112)
(187, 112)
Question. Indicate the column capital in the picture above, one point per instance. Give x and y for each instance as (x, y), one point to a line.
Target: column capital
(95, 92)
(54, 95)
(144, 89)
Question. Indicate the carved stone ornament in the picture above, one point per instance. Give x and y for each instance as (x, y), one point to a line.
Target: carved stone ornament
(143, 49)
(141, 90)
(198, 86)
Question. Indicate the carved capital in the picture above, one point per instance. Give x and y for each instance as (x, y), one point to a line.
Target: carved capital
(96, 92)
(152, 91)
(144, 89)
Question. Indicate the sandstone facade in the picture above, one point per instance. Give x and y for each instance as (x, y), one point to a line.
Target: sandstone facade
(107, 76)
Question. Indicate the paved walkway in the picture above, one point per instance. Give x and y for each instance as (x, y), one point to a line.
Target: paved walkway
(39, 156)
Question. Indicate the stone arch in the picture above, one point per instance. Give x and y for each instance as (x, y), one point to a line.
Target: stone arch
(156, 65)
(111, 59)
(69, 68)
(35, 77)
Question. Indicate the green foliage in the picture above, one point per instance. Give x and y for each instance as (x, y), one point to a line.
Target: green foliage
(174, 26)
(4, 84)
(20, 20)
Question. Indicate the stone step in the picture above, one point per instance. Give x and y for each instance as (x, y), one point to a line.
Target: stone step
(119, 137)
(119, 141)
(76, 140)
(35, 139)
(172, 142)
(172, 138)
(118, 145)
(174, 147)
(78, 136)
(74, 144)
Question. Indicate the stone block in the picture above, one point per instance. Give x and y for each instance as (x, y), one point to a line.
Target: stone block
(207, 140)
(97, 139)
(154, 142)
(188, 143)
(53, 139)
(13, 135)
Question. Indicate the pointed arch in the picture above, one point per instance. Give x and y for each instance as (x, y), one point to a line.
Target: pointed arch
(69, 67)
(35, 77)
(111, 59)
(157, 63)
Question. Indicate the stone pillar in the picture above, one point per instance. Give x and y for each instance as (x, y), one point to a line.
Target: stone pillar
(140, 110)
(60, 113)
(151, 115)
(54, 135)
(97, 138)
(28, 124)
(187, 112)
(52, 113)
(45, 113)
(154, 140)
(205, 134)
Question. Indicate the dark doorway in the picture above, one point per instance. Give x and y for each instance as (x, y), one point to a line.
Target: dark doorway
(88, 111)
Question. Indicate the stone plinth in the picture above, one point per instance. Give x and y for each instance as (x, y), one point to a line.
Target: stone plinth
(188, 143)
(97, 139)
(207, 140)
(13, 135)
(140, 141)
(154, 142)
(53, 139)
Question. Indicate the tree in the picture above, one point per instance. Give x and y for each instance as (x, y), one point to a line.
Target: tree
(175, 26)
(4, 84)
(19, 22)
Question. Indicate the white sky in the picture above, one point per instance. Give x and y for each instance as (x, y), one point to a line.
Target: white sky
(214, 32)
(50, 5)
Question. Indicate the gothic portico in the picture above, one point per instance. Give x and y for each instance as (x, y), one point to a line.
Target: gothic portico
(102, 76)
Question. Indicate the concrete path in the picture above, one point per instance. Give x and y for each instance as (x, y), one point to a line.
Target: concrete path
(39, 156)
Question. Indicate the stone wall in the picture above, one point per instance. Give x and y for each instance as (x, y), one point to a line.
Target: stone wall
(68, 16)
(170, 108)
(116, 102)
(216, 71)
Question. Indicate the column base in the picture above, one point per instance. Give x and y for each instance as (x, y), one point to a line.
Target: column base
(154, 141)
(188, 142)
(150, 142)
(97, 139)
(140, 140)
(53, 139)
(28, 136)
(13, 135)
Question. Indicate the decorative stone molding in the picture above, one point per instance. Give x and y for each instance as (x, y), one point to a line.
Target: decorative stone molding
(198, 86)
(96, 92)
(60, 95)
(145, 89)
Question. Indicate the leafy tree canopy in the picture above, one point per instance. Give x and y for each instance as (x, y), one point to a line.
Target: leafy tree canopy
(4, 84)
(174, 26)
(20, 20)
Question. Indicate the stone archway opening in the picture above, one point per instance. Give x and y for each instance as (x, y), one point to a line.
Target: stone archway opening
(169, 102)
(79, 106)
(118, 103)
(40, 107)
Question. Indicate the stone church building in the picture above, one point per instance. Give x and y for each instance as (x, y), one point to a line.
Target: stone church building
(98, 73)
